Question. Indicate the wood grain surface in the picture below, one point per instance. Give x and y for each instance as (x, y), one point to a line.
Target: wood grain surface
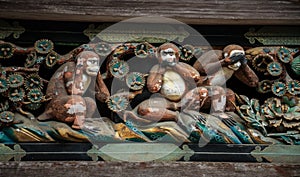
(153, 169)
(278, 12)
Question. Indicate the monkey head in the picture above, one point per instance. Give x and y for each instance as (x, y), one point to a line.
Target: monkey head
(168, 54)
(88, 61)
(235, 56)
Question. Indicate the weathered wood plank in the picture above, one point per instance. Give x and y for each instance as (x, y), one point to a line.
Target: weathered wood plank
(155, 169)
(286, 12)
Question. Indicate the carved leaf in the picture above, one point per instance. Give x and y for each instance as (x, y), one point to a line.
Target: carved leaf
(255, 104)
(246, 99)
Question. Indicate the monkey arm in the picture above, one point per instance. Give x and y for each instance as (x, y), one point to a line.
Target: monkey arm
(69, 56)
(246, 75)
(62, 76)
(213, 68)
(102, 93)
(211, 62)
(194, 99)
(188, 72)
(158, 109)
(68, 74)
(155, 78)
(199, 67)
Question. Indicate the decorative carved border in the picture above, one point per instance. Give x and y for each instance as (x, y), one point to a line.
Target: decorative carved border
(6, 29)
(141, 34)
(268, 35)
(6, 153)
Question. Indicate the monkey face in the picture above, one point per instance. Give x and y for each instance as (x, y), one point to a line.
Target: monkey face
(92, 66)
(236, 55)
(89, 62)
(168, 54)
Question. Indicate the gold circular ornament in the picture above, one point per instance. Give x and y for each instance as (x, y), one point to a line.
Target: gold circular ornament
(279, 88)
(30, 60)
(33, 81)
(43, 46)
(274, 68)
(16, 94)
(51, 59)
(4, 85)
(284, 55)
(117, 103)
(103, 49)
(35, 95)
(15, 80)
(186, 52)
(142, 50)
(135, 80)
(264, 86)
(293, 87)
(118, 68)
(7, 117)
(6, 50)
(261, 61)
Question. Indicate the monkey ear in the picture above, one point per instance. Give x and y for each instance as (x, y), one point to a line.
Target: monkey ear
(177, 56)
(157, 52)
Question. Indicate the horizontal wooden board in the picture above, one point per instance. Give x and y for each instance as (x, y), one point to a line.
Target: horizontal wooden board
(155, 169)
(283, 12)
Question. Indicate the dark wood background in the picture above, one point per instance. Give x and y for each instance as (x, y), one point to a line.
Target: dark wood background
(283, 12)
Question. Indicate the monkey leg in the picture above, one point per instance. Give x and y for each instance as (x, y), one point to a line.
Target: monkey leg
(90, 106)
(70, 109)
(220, 99)
(216, 100)
(158, 110)
(194, 99)
(78, 107)
(230, 98)
(57, 110)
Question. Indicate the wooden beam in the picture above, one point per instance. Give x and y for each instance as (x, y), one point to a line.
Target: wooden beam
(155, 169)
(245, 12)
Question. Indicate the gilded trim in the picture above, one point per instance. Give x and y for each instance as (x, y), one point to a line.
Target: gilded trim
(6, 29)
(141, 152)
(6, 153)
(274, 36)
(277, 153)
